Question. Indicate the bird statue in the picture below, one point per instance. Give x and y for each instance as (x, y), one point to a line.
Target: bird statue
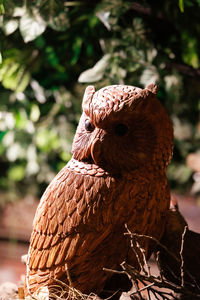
(115, 178)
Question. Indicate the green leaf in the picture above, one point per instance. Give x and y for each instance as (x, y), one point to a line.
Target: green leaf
(52, 57)
(47, 140)
(31, 26)
(21, 119)
(190, 52)
(2, 8)
(76, 50)
(10, 26)
(13, 73)
(2, 133)
(35, 113)
(23, 79)
(16, 78)
(16, 173)
(97, 72)
(65, 156)
(104, 18)
(181, 5)
(19, 11)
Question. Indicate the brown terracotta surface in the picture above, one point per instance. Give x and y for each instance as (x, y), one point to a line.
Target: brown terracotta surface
(117, 176)
(11, 267)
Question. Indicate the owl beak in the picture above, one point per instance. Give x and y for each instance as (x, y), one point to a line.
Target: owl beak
(95, 150)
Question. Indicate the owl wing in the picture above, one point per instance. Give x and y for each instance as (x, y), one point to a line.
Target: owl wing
(66, 220)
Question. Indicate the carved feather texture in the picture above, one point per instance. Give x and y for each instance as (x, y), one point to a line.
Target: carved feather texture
(114, 178)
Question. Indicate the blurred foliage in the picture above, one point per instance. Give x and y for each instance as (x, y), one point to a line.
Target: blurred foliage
(49, 52)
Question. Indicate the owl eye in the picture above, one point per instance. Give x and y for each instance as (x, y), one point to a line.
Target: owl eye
(121, 129)
(89, 126)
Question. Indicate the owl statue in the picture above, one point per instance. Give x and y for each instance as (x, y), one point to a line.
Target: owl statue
(116, 177)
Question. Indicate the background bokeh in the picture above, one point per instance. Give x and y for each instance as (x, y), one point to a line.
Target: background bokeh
(51, 50)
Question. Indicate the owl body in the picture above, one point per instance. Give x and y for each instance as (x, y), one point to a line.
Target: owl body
(116, 177)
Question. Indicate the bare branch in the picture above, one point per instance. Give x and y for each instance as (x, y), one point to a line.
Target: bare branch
(181, 255)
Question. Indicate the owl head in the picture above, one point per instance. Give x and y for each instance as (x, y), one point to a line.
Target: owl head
(122, 129)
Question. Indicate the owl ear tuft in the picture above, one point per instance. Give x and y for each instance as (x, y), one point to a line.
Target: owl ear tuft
(87, 98)
(153, 88)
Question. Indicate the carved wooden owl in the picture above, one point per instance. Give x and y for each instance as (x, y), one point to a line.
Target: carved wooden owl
(117, 176)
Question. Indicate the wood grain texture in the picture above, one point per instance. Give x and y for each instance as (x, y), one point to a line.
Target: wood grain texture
(113, 179)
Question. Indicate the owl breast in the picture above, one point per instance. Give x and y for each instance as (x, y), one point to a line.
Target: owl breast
(72, 220)
(80, 225)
